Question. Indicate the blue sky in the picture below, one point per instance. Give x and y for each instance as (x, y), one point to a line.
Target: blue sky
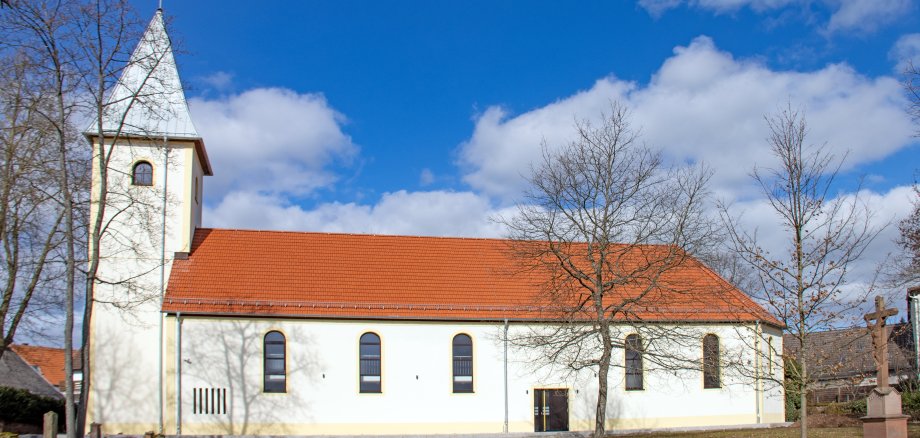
(421, 117)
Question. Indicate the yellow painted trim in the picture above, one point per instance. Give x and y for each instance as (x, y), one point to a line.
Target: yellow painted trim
(774, 417)
(187, 199)
(222, 427)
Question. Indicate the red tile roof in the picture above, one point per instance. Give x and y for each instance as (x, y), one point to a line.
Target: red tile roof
(298, 274)
(49, 360)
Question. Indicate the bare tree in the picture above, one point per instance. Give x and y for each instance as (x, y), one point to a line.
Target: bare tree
(803, 280)
(909, 241)
(912, 86)
(30, 215)
(80, 50)
(604, 223)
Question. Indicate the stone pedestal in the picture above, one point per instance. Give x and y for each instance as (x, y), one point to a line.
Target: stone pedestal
(884, 419)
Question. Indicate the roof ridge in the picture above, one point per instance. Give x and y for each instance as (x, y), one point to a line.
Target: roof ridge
(411, 236)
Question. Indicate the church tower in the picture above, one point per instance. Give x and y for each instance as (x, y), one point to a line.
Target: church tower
(149, 192)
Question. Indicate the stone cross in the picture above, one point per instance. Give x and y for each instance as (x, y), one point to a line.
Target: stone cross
(880, 338)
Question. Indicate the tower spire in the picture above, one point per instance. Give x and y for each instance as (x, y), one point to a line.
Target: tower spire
(148, 100)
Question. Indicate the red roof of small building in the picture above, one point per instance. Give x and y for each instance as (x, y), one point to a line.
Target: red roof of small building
(49, 360)
(325, 275)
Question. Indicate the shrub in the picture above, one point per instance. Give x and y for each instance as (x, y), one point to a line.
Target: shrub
(21, 406)
(910, 401)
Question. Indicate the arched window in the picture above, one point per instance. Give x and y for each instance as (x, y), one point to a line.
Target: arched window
(274, 369)
(142, 174)
(369, 365)
(463, 363)
(711, 378)
(633, 362)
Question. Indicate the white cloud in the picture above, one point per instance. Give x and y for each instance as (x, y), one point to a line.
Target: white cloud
(701, 105)
(271, 140)
(657, 7)
(219, 80)
(905, 51)
(886, 209)
(845, 15)
(864, 15)
(426, 177)
(432, 213)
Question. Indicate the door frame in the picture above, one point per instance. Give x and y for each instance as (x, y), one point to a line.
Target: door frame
(538, 427)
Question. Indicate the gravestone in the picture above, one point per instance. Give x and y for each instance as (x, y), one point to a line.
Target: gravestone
(884, 418)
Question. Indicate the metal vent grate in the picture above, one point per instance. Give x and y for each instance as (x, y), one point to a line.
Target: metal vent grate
(209, 401)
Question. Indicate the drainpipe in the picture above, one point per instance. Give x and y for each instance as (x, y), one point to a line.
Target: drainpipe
(758, 390)
(505, 429)
(178, 373)
(162, 279)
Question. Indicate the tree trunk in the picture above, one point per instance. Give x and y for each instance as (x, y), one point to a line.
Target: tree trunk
(602, 372)
(803, 413)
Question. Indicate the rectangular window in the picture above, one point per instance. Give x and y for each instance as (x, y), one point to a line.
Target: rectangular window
(463, 373)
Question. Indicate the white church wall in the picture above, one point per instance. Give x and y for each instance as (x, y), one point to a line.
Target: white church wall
(323, 395)
(774, 397)
(124, 388)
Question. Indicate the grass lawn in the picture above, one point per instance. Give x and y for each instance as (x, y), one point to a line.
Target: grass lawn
(785, 432)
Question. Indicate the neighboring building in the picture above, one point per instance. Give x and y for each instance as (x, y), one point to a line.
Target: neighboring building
(17, 373)
(841, 362)
(49, 362)
(284, 333)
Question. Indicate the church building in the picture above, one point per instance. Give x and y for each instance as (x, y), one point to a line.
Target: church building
(204, 331)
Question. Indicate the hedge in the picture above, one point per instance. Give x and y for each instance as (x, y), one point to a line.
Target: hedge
(910, 404)
(21, 406)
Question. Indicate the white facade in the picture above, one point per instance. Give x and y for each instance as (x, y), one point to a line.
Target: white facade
(417, 396)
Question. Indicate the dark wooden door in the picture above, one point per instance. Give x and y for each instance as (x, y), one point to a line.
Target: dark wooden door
(550, 410)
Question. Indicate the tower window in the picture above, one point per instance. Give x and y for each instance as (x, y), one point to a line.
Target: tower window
(142, 175)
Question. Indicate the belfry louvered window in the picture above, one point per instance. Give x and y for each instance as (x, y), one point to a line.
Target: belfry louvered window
(369, 365)
(634, 380)
(275, 370)
(711, 371)
(463, 363)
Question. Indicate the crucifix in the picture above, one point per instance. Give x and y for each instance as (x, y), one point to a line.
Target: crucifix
(880, 338)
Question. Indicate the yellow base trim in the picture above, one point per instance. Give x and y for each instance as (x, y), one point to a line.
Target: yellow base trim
(225, 427)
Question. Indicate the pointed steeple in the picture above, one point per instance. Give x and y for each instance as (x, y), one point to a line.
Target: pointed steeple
(148, 100)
